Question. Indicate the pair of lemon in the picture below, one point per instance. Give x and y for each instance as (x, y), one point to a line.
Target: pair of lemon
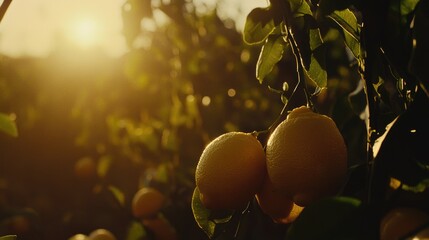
(305, 159)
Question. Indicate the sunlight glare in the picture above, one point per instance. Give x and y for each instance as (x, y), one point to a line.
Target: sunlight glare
(84, 32)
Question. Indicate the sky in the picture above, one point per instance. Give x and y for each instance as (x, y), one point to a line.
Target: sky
(32, 28)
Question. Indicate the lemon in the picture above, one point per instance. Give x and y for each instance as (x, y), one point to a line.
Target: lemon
(306, 156)
(230, 171)
(147, 202)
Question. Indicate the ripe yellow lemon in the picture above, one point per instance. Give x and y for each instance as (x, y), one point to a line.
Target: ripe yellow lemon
(78, 237)
(231, 170)
(278, 206)
(272, 202)
(306, 156)
(101, 234)
(147, 202)
(399, 222)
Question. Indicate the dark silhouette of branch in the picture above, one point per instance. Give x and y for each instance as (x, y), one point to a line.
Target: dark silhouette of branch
(3, 8)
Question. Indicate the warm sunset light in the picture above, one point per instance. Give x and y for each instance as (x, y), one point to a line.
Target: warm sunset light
(214, 119)
(86, 24)
(84, 32)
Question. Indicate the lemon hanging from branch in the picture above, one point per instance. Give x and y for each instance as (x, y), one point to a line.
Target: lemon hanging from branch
(306, 157)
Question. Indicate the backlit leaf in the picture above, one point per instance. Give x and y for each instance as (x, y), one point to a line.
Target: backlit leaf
(315, 38)
(162, 173)
(418, 63)
(407, 6)
(316, 71)
(136, 231)
(213, 223)
(118, 194)
(271, 53)
(202, 215)
(421, 187)
(350, 27)
(103, 166)
(259, 25)
(300, 8)
(328, 6)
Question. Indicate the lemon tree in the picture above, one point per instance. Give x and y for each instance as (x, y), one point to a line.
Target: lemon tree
(330, 175)
(191, 112)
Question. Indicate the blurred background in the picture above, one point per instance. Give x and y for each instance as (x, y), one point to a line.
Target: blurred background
(111, 96)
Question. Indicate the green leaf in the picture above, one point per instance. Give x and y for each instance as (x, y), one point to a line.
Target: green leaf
(202, 215)
(103, 166)
(259, 25)
(326, 7)
(419, 188)
(300, 8)
(332, 218)
(407, 6)
(315, 38)
(418, 64)
(271, 53)
(212, 223)
(9, 237)
(118, 194)
(316, 71)
(8, 125)
(136, 231)
(162, 173)
(350, 27)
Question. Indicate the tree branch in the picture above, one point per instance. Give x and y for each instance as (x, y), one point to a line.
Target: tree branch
(374, 21)
(4, 7)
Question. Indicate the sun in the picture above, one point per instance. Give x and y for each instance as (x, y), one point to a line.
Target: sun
(84, 32)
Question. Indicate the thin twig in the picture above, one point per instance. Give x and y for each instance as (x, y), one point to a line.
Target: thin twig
(4, 7)
(296, 52)
(283, 112)
(299, 68)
